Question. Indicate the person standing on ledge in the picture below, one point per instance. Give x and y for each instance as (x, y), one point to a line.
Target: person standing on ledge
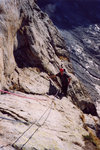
(65, 80)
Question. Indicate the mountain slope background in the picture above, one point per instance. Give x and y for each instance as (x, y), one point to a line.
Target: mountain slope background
(79, 23)
(31, 49)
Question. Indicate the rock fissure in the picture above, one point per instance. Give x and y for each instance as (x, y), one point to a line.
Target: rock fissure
(12, 114)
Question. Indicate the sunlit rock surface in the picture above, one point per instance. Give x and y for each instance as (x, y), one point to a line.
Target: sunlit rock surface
(31, 48)
(55, 124)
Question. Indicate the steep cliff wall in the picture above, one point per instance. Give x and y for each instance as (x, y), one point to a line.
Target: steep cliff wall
(79, 23)
(29, 40)
(30, 48)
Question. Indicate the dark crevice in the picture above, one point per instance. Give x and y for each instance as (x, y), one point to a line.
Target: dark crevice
(23, 54)
(12, 114)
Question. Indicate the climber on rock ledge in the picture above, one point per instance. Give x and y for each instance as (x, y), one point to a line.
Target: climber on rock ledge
(65, 80)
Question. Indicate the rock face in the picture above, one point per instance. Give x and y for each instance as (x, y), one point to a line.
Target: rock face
(79, 24)
(54, 124)
(30, 48)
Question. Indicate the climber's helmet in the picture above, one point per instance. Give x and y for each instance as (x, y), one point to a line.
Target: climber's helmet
(61, 71)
